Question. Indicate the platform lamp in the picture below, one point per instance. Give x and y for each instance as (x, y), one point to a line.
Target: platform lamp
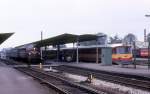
(134, 54)
(148, 38)
(41, 50)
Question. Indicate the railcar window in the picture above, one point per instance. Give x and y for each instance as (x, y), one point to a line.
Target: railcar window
(123, 50)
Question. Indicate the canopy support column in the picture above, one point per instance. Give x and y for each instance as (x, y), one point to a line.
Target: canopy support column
(41, 47)
(58, 52)
(77, 57)
(97, 59)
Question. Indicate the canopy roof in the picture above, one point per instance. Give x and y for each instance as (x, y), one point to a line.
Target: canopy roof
(4, 36)
(65, 38)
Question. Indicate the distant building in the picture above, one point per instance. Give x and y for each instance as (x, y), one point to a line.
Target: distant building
(102, 39)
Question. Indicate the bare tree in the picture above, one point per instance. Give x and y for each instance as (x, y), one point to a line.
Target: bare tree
(129, 39)
(115, 39)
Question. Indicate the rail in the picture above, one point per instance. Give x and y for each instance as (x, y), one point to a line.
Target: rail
(111, 77)
(58, 83)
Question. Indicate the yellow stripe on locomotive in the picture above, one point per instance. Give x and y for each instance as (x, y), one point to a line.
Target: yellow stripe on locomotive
(122, 57)
(122, 53)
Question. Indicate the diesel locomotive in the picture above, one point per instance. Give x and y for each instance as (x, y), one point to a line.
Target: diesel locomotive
(30, 55)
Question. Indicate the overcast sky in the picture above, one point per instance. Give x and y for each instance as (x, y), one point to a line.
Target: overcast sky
(28, 17)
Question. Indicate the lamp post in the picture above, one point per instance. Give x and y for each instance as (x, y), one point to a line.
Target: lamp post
(148, 38)
(148, 51)
(134, 54)
(147, 15)
(41, 50)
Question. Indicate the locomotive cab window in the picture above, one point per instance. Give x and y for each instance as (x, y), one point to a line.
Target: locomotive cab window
(122, 50)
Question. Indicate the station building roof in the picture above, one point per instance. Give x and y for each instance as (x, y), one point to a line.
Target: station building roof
(4, 36)
(65, 38)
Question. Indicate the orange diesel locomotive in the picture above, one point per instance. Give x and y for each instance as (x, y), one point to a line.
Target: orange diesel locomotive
(122, 53)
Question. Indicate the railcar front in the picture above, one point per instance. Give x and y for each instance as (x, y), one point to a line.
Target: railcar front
(122, 54)
(34, 55)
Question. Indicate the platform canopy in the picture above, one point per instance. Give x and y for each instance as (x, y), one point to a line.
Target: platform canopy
(4, 36)
(64, 39)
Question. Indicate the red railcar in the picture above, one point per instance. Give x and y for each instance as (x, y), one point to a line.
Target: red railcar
(144, 52)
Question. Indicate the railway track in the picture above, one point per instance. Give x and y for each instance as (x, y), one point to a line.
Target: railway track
(123, 80)
(138, 83)
(60, 84)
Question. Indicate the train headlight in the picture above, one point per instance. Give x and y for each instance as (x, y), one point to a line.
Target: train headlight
(29, 53)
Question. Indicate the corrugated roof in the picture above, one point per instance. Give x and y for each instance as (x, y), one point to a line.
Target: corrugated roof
(65, 38)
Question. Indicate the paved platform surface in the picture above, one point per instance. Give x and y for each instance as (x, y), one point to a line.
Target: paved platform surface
(14, 82)
(140, 70)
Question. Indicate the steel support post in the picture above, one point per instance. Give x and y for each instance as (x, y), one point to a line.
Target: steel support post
(149, 55)
(77, 57)
(134, 54)
(41, 48)
(97, 59)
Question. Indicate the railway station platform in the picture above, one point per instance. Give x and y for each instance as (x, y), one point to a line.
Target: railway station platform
(129, 70)
(140, 70)
(15, 82)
